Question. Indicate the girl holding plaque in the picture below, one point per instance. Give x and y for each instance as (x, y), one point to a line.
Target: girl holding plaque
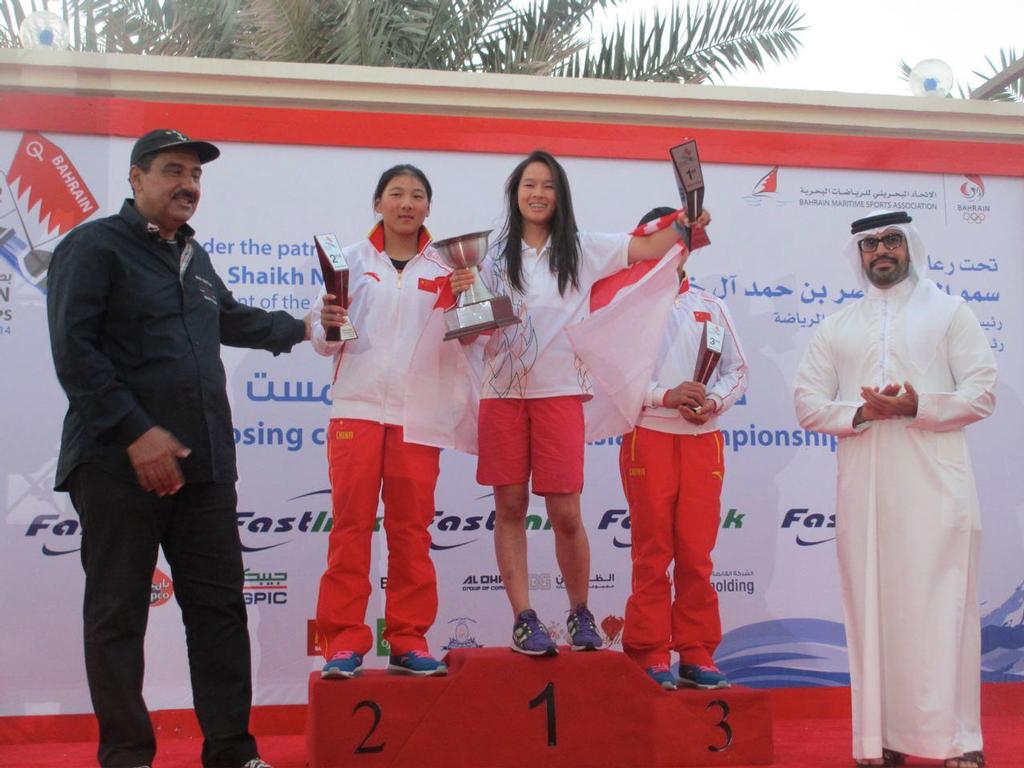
(396, 281)
(531, 414)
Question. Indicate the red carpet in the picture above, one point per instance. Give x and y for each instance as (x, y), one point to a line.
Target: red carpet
(812, 730)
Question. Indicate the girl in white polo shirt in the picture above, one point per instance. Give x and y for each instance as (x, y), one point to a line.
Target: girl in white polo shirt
(395, 281)
(531, 412)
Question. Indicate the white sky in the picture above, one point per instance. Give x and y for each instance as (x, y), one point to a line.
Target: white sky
(857, 46)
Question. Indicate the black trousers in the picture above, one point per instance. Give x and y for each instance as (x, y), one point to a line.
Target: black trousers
(122, 529)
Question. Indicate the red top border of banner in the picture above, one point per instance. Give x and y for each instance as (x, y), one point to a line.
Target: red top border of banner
(109, 116)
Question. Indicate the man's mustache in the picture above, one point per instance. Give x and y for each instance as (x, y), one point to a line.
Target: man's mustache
(184, 195)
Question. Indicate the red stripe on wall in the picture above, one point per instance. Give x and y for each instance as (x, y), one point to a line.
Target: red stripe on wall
(96, 115)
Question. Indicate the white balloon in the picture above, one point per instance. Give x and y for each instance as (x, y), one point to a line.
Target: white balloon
(44, 29)
(931, 77)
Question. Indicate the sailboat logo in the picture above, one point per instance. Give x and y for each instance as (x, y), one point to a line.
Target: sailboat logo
(766, 188)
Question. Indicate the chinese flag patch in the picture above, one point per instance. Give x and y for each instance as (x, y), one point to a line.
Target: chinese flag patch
(702, 317)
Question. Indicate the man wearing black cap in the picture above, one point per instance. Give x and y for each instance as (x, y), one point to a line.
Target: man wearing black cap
(137, 315)
(897, 376)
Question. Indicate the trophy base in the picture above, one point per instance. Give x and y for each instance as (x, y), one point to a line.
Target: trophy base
(344, 333)
(479, 316)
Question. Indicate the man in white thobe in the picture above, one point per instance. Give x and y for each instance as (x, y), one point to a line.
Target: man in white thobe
(896, 376)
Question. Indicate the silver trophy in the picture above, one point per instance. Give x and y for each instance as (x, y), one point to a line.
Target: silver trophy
(477, 309)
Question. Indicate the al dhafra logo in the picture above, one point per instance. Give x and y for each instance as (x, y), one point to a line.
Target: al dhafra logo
(162, 589)
(462, 634)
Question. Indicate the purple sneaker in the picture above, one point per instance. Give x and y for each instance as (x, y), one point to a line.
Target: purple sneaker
(531, 637)
(583, 630)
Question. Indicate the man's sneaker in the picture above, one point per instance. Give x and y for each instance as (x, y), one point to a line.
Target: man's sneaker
(661, 675)
(531, 637)
(341, 665)
(416, 663)
(257, 763)
(582, 628)
(698, 676)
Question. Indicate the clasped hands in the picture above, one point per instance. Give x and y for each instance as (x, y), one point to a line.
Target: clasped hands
(692, 401)
(887, 402)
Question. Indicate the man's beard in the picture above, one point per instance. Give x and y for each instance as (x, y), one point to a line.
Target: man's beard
(897, 274)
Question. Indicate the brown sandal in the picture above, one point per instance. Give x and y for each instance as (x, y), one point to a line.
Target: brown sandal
(890, 757)
(974, 759)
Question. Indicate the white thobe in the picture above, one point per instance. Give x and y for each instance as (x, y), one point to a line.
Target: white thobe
(908, 523)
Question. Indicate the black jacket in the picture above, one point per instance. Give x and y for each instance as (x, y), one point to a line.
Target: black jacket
(137, 346)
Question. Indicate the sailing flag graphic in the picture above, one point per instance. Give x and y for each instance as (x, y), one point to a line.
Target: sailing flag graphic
(768, 183)
(44, 173)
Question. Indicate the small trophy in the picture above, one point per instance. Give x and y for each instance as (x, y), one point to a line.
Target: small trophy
(477, 309)
(335, 271)
(711, 341)
(690, 180)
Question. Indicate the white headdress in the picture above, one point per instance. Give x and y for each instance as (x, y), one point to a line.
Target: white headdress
(929, 310)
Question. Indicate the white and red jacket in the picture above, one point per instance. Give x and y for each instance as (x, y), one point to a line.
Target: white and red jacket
(390, 311)
(677, 359)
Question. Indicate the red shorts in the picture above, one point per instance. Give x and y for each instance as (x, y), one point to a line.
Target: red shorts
(542, 437)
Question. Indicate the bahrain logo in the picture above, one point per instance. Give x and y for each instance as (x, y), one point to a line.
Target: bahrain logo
(41, 198)
(973, 189)
(766, 190)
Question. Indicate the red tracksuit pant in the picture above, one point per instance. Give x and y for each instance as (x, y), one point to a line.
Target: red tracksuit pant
(673, 484)
(362, 457)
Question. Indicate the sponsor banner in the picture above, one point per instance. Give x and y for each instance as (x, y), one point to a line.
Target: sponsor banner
(776, 260)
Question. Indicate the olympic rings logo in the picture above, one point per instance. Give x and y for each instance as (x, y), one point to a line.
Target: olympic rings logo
(973, 217)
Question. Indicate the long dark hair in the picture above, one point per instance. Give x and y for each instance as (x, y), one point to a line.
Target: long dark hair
(404, 169)
(564, 256)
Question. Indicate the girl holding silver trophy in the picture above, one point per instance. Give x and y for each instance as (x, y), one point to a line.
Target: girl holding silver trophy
(397, 280)
(531, 424)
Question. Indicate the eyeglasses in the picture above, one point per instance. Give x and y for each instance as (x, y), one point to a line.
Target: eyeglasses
(870, 244)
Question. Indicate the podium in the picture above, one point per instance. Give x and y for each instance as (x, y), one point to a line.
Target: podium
(500, 709)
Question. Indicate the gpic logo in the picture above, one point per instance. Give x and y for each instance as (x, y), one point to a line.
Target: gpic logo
(265, 588)
(813, 522)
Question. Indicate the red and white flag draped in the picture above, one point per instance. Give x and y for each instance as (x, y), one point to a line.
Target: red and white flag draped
(618, 343)
(620, 339)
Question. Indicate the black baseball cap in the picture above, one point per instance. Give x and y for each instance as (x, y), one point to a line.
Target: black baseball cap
(163, 139)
